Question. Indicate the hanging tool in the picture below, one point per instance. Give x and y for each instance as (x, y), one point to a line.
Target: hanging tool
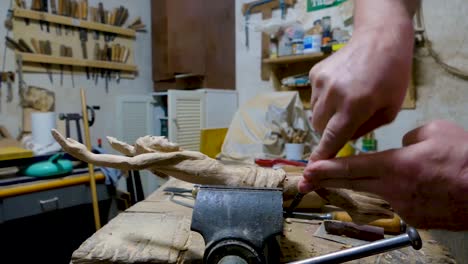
(106, 56)
(95, 16)
(36, 5)
(46, 48)
(22, 46)
(97, 56)
(63, 53)
(282, 5)
(66, 52)
(22, 4)
(69, 52)
(83, 7)
(84, 48)
(43, 47)
(45, 9)
(137, 25)
(53, 7)
(9, 20)
(102, 18)
(10, 79)
(21, 83)
(247, 18)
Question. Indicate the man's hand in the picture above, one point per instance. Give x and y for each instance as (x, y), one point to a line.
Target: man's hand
(426, 181)
(362, 86)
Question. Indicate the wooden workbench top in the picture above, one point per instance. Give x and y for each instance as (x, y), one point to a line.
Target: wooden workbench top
(157, 230)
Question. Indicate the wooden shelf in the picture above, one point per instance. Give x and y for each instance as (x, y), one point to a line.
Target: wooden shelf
(39, 58)
(68, 21)
(296, 58)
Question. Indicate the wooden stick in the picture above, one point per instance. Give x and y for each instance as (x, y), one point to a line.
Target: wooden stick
(92, 179)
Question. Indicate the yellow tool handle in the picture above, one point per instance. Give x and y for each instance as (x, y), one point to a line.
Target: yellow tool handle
(393, 225)
(92, 178)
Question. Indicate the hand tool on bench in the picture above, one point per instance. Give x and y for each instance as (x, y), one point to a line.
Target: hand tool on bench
(411, 238)
(352, 230)
(393, 225)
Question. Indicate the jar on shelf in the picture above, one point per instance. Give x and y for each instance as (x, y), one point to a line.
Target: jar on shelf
(297, 46)
(273, 46)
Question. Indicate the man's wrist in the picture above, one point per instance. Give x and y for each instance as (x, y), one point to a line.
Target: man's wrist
(381, 16)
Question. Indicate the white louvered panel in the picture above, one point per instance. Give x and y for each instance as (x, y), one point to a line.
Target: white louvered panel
(135, 121)
(186, 118)
(189, 123)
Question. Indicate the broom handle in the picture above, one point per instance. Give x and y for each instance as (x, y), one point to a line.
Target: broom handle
(92, 179)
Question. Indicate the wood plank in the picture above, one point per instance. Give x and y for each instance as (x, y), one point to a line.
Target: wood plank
(296, 58)
(40, 58)
(68, 21)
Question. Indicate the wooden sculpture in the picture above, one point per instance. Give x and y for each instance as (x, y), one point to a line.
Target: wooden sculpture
(160, 156)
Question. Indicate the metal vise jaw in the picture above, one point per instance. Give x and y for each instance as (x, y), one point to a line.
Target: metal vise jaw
(239, 224)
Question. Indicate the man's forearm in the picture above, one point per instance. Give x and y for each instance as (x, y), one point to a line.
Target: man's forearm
(370, 14)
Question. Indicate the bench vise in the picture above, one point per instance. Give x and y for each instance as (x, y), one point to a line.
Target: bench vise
(240, 225)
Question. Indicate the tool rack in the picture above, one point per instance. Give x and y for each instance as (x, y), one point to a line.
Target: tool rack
(34, 62)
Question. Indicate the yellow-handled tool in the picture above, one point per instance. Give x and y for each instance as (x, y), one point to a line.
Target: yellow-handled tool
(393, 225)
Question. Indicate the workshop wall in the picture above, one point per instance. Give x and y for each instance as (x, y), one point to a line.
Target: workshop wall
(68, 98)
(439, 94)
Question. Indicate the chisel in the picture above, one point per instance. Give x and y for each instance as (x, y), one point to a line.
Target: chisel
(69, 53)
(45, 9)
(53, 7)
(63, 53)
(394, 225)
(48, 51)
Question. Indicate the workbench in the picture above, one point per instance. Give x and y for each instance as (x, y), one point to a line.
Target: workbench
(157, 230)
(35, 197)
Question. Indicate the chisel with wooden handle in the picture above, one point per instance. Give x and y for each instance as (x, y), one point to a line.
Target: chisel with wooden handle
(394, 225)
